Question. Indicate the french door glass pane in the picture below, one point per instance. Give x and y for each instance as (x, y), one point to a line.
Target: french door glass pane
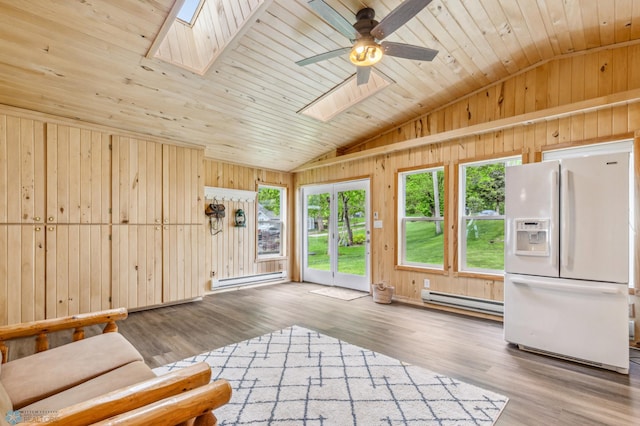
(318, 211)
(351, 232)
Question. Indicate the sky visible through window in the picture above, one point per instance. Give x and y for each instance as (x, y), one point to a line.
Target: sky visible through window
(188, 9)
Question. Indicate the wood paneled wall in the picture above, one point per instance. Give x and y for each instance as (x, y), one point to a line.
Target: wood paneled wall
(232, 253)
(137, 185)
(78, 178)
(565, 80)
(91, 219)
(22, 170)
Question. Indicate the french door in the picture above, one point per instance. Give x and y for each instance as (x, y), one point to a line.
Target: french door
(336, 234)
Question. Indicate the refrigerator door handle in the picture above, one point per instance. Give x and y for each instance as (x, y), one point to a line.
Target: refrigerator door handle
(565, 223)
(576, 288)
(555, 188)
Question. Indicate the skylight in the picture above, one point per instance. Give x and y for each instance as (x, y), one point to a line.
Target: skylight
(344, 96)
(197, 32)
(188, 10)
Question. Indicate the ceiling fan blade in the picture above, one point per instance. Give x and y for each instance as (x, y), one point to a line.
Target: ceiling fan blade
(398, 17)
(334, 19)
(408, 51)
(362, 75)
(323, 56)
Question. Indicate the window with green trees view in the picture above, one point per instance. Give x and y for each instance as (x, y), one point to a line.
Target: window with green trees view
(421, 201)
(481, 229)
(271, 210)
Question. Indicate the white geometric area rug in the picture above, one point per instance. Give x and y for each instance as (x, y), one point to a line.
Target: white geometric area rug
(298, 376)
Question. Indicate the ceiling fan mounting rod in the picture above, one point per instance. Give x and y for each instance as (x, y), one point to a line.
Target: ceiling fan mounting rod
(365, 22)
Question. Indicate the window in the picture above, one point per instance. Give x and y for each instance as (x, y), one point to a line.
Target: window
(421, 201)
(481, 227)
(188, 11)
(271, 216)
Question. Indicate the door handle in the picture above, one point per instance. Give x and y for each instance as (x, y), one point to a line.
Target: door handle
(565, 223)
(574, 288)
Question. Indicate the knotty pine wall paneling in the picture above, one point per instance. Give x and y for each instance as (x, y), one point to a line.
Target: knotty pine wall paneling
(78, 175)
(137, 181)
(78, 269)
(182, 185)
(183, 218)
(158, 246)
(137, 265)
(232, 252)
(78, 202)
(137, 229)
(567, 80)
(61, 252)
(183, 261)
(22, 273)
(22, 208)
(22, 170)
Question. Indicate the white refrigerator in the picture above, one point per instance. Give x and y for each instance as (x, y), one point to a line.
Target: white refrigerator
(567, 259)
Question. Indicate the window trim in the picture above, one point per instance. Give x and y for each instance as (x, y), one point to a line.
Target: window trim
(283, 222)
(460, 244)
(400, 220)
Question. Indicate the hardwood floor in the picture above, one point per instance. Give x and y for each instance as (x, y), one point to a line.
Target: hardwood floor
(542, 390)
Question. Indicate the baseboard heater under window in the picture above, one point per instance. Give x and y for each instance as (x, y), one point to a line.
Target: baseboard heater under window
(248, 279)
(486, 306)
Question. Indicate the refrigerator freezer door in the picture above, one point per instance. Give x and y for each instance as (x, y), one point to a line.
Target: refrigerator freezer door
(532, 201)
(585, 321)
(594, 231)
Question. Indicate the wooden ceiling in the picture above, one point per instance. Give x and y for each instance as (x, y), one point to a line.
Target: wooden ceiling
(88, 60)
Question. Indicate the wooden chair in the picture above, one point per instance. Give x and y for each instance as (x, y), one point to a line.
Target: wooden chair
(180, 397)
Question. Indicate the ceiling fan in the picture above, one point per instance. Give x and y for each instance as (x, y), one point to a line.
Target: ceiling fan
(367, 34)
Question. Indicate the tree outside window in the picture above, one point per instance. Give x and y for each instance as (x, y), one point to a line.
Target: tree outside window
(481, 230)
(271, 210)
(421, 202)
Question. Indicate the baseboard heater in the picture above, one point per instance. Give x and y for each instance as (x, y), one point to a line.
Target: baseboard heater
(486, 306)
(248, 279)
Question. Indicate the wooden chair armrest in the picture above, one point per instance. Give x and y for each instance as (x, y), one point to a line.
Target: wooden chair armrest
(131, 397)
(175, 410)
(34, 328)
(42, 327)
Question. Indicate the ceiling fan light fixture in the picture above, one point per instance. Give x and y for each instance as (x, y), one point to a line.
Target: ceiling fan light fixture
(365, 52)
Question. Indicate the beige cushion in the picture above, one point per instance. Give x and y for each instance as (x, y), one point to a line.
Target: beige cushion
(38, 376)
(5, 401)
(126, 375)
(5, 405)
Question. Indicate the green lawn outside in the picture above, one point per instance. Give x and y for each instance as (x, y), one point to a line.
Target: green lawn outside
(423, 244)
(485, 247)
(485, 244)
(351, 259)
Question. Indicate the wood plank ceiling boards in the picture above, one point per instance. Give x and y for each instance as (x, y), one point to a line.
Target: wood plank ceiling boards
(238, 90)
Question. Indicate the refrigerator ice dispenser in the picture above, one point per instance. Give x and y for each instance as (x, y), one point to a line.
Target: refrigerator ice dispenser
(532, 237)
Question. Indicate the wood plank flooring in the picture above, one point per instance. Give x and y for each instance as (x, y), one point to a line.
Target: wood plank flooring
(542, 390)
